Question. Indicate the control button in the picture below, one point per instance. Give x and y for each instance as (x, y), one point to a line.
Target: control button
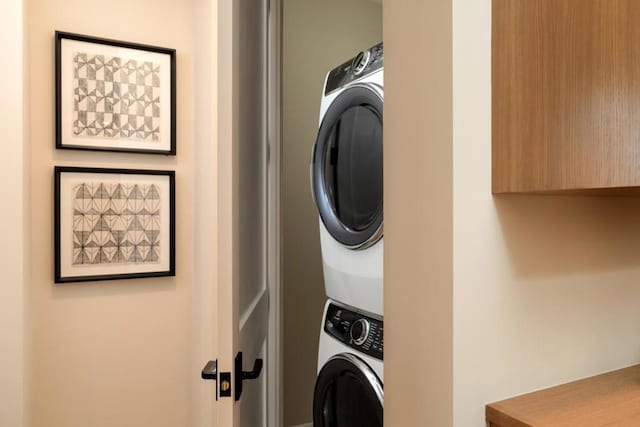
(360, 62)
(359, 331)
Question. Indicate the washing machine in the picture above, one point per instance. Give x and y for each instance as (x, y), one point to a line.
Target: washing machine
(349, 387)
(346, 180)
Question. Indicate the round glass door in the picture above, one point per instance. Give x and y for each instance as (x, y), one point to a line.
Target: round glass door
(347, 168)
(347, 394)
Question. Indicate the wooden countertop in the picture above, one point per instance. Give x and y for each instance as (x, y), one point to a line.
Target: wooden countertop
(611, 399)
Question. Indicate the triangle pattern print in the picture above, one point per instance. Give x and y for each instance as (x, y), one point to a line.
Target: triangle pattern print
(116, 223)
(115, 98)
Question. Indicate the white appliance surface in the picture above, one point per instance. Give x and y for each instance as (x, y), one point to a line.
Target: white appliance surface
(353, 277)
(330, 346)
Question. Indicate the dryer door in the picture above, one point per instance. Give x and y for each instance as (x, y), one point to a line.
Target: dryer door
(347, 167)
(347, 394)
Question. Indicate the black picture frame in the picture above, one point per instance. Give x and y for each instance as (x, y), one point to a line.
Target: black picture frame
(66, 234)
(74, 133)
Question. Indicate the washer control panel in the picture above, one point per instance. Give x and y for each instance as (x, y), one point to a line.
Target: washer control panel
(365, 62)
(362, 333)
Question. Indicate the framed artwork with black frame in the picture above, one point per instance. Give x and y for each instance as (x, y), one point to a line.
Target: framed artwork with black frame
(114, 95)
(113, 224)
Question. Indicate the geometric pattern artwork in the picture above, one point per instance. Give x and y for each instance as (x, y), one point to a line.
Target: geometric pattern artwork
(116, 223)
(115, 98)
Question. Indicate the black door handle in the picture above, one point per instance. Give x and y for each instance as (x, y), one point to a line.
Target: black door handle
(210, 372)
(255, 373)
(245, 375)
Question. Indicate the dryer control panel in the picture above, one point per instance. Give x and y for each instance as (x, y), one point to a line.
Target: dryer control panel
(366, 62)
(362, 333)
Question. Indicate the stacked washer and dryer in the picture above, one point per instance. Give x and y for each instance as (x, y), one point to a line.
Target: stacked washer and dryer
(346, 179)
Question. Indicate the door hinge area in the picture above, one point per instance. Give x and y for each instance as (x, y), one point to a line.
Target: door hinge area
(268, 152)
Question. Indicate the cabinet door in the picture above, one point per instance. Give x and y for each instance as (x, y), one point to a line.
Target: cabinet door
(566, 95)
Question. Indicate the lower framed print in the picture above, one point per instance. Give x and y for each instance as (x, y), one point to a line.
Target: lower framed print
(113, 224)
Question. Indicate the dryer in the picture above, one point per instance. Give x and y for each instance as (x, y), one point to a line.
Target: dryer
(346, 179)
(349, 388)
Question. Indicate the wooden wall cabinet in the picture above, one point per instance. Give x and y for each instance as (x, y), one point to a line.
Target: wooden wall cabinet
(566, 96)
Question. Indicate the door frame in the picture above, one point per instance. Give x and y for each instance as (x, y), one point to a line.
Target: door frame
(274, 213)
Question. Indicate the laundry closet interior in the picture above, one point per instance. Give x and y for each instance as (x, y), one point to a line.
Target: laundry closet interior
(331, 192)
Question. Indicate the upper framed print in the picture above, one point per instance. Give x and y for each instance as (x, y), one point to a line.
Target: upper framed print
(113, 224)
(114, 96)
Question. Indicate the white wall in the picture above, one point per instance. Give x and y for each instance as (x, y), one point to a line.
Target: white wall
(546, 289)
(12, 221)
(317, 36)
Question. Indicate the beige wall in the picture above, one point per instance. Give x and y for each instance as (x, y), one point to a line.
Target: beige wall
(12, 222)
(541, 290)
(418, 214)
(110, 353)
(546, 288)
(317, 36)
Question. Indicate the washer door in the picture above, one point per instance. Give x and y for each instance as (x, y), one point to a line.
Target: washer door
(347, 394)
(347, 167)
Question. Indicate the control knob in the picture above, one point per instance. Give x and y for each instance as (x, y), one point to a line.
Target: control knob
(360, 62)
(359, 331)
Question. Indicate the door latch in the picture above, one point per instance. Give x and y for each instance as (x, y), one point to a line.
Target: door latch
(223, 379)
(225, 384)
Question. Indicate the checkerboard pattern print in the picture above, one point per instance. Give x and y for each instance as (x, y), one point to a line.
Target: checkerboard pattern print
(115, 98)
(116, 223)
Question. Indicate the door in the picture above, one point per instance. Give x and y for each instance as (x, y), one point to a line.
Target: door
(243, 291)
(347, 393)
